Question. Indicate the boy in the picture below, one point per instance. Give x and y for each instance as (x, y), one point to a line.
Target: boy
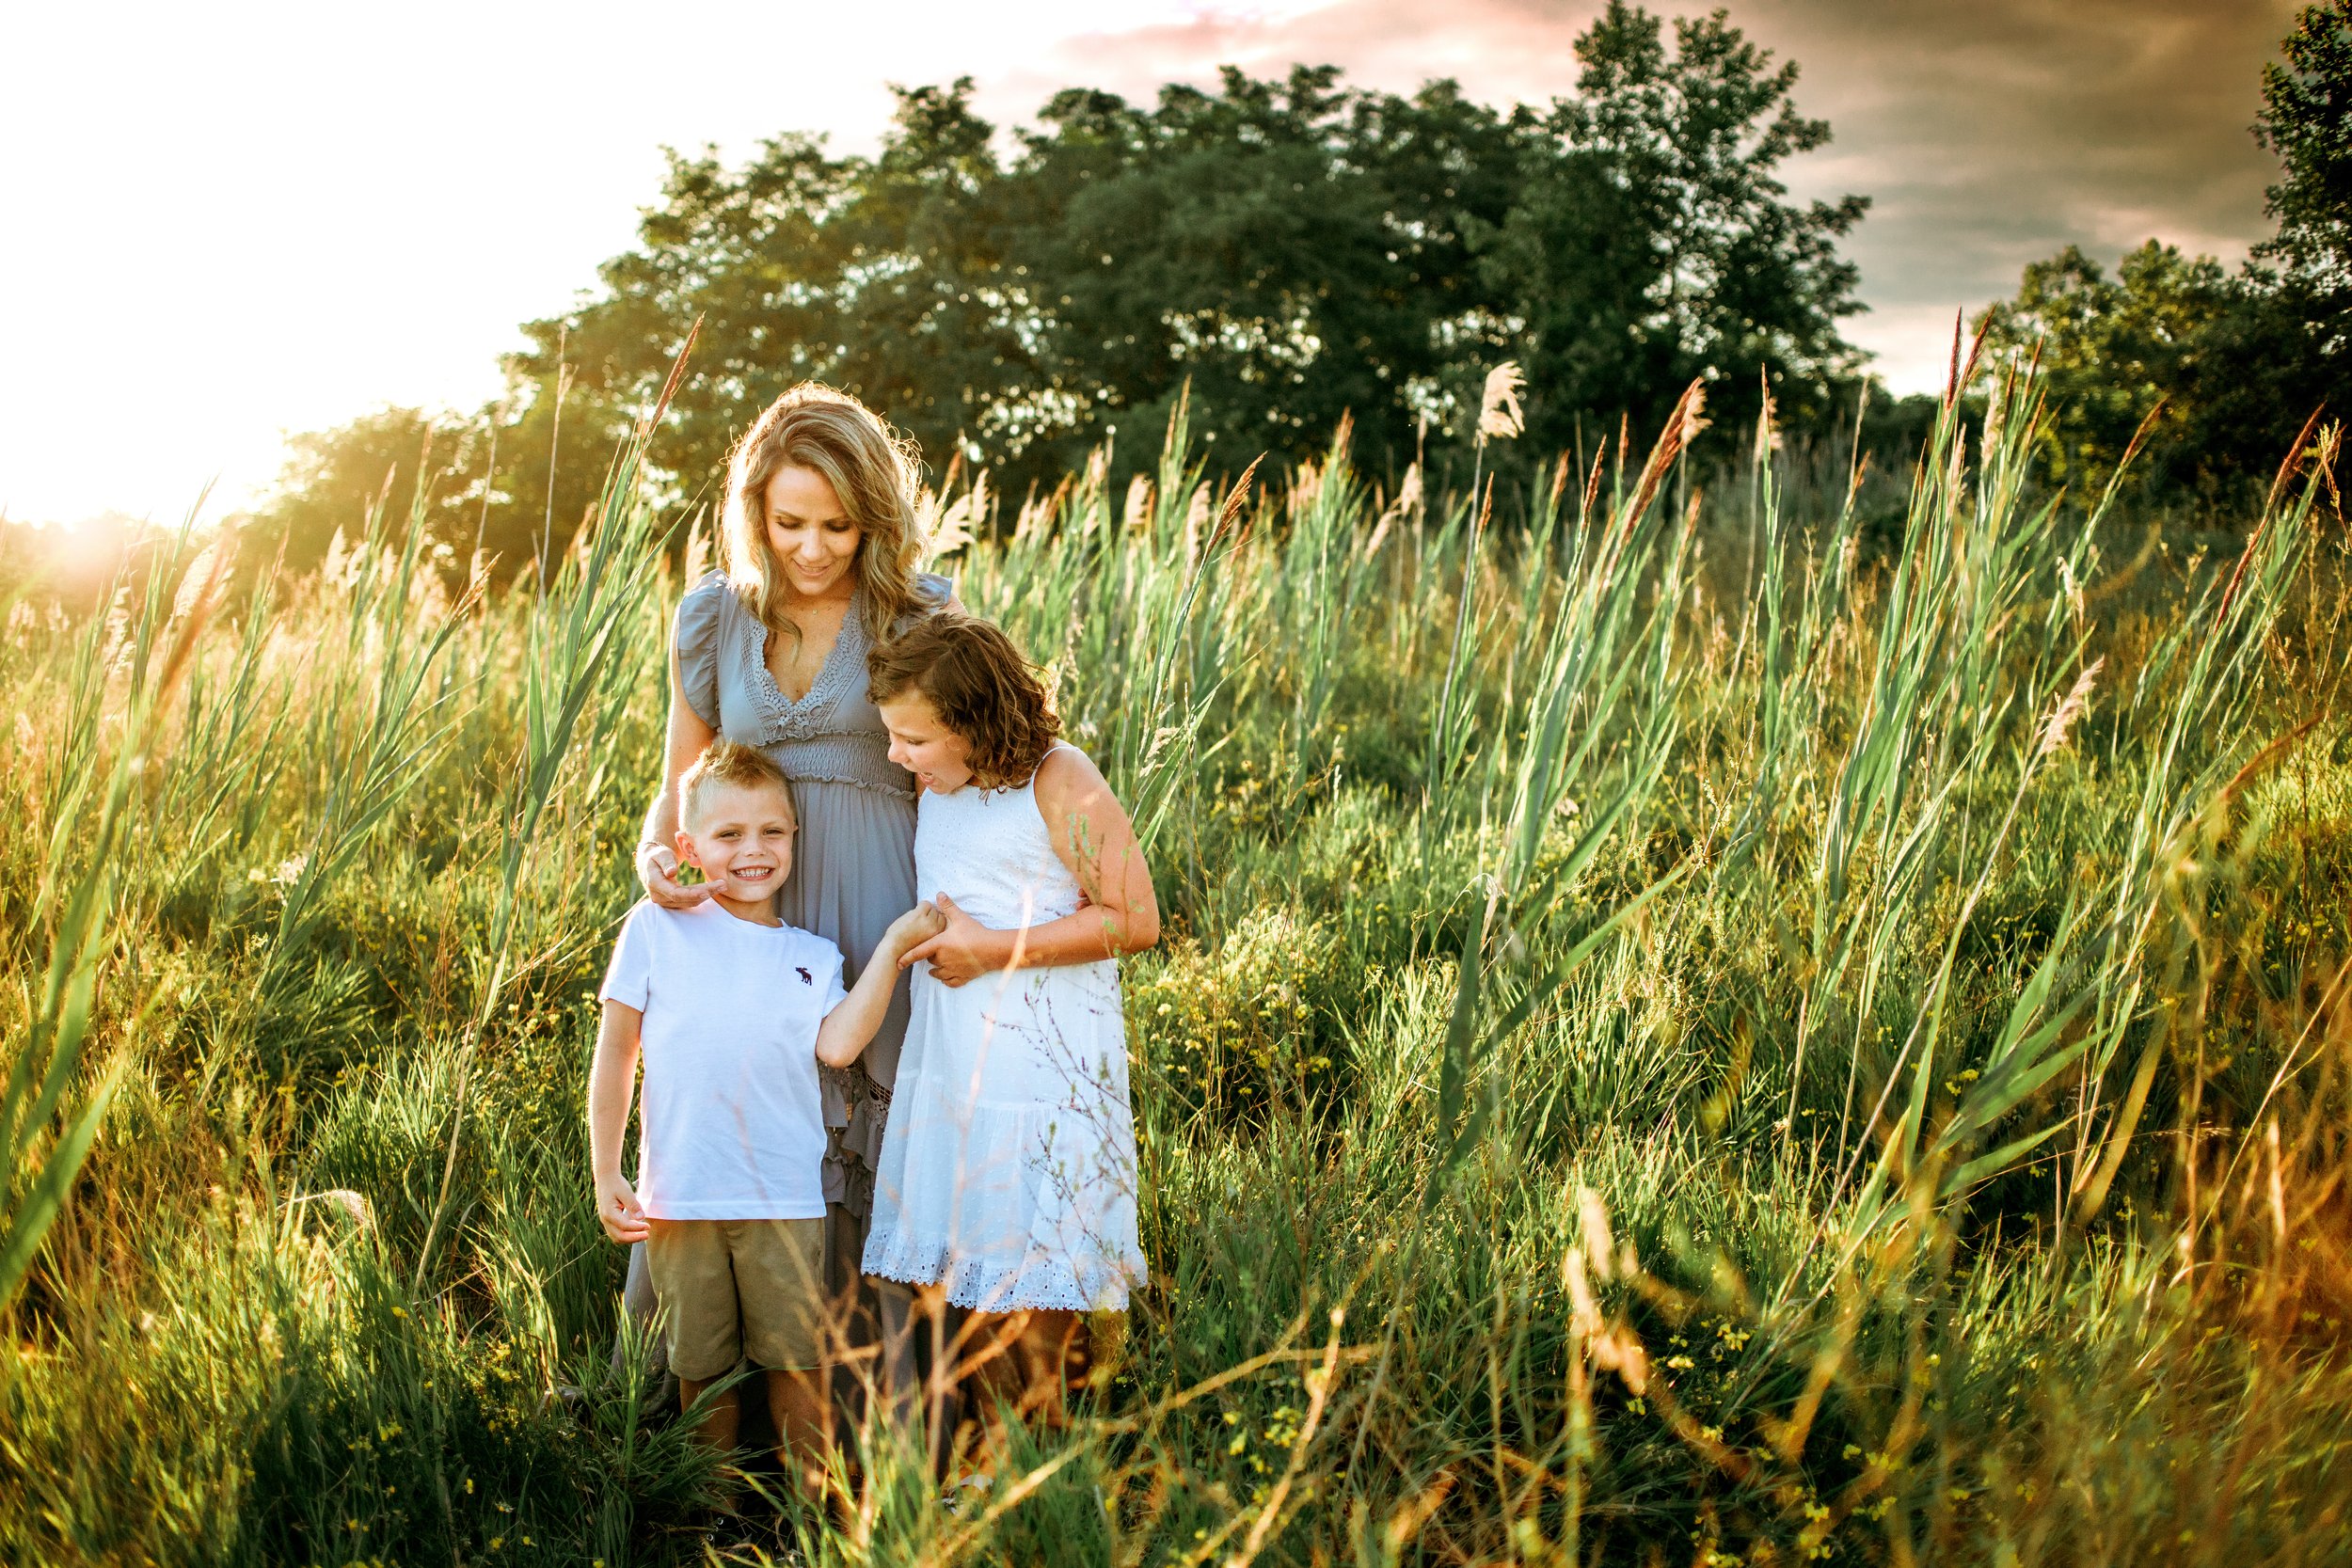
(732, 1009)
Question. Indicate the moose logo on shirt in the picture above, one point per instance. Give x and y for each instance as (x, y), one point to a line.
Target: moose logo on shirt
(806, 979)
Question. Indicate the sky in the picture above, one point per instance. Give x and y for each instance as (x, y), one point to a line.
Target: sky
(221, 224)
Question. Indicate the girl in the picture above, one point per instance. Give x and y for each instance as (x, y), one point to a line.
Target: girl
(1007, 1171)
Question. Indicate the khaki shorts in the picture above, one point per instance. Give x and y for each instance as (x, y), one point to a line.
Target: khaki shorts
(739, 1290)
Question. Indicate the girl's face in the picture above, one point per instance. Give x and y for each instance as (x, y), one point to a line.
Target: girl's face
(813, 537)
(939, 758)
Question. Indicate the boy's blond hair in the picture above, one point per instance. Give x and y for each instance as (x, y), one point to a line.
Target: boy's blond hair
(729, 762)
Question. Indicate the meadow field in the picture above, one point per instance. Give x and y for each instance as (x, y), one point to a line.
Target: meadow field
(1755, 1015)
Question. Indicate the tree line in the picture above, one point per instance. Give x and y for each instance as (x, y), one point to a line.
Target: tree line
(2228, 363)
(1285, 251)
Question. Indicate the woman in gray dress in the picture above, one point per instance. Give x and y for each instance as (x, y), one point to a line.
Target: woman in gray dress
(819, 541)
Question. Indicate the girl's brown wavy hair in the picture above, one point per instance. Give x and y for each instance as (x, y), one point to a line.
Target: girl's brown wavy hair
(872, 469)
(981, 687)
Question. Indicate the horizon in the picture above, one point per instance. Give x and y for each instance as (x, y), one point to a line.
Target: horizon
(289, 293)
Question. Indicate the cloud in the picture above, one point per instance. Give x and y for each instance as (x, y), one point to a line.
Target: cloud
(1988, 135)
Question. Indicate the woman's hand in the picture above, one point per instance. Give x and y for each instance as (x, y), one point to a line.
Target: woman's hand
(964, 951)
(656, 867)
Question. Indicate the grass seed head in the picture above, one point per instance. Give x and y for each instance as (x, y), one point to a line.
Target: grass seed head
(1500, 416)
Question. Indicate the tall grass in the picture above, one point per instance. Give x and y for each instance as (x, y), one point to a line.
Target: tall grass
(1823, 1039)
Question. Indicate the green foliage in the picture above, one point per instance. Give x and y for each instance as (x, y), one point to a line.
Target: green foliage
(2230, 359)
(2216, 359)
(1294, 250)
(1650, 241)
(2307, 121)
(2111, 348)
(1807, 1074)
(334, 480)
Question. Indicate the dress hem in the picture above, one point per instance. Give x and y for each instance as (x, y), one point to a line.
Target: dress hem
(977, 1284)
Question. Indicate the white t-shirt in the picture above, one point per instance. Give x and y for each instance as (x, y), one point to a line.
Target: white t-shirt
(733, 1125)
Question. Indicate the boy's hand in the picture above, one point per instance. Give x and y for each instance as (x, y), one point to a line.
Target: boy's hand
(963, 950)
(918, 926)
(618, 1211)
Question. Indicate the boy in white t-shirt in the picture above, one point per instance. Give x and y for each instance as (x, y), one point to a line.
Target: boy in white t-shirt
(732, 1009)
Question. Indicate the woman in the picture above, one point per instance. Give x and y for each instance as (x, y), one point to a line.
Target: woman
(818, 540)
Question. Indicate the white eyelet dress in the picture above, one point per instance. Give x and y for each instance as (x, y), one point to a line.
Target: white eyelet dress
(1007, 1169)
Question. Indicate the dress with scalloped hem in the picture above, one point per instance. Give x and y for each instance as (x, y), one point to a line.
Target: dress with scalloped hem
(1008, 1170)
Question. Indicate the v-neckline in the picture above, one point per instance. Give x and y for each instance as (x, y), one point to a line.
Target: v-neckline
(819, 682)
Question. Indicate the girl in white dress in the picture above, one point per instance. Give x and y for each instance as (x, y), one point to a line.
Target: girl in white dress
(1007, 1171)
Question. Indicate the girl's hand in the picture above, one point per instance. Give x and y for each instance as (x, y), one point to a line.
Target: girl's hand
(618, 1210)
(656, 868)
(965, 950)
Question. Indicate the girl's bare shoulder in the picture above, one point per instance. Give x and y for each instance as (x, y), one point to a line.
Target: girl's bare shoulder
(1069, 782)
(1067, 769)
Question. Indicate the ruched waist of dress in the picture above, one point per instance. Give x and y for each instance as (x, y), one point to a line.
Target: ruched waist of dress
(857, 760)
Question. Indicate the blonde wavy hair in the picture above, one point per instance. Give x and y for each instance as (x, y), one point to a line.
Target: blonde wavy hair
(873, 470)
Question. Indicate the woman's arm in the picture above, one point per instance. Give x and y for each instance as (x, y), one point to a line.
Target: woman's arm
(1097, 843)
(656, 861)
(611, 1084)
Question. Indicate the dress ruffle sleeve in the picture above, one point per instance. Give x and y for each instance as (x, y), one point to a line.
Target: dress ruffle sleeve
(696, 635)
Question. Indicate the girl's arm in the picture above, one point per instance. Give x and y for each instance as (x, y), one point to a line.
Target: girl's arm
(611, 1084)
(1097, 843)
(656, 861)
(850, 1027)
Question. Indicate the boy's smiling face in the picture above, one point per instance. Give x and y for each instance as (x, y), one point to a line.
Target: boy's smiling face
(740, 837)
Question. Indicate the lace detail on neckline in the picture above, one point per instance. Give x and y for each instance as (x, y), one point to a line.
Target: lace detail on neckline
(786, 718)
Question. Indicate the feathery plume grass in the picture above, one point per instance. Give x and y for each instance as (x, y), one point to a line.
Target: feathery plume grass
(2070, 710)
(1500, 416)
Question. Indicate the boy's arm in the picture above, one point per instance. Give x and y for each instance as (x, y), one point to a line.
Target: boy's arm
(848, 1029)
(611, 1084)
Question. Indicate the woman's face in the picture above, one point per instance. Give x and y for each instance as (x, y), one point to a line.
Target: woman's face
(813, 537)
(939, 758)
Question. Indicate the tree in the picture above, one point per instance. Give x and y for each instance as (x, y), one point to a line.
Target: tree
(2238, 360)
(2307, 121)
(334, 480)
(1283, 247)
(1651, 244)
(877, 275)
(1293, 250)
(486, 480)
(751, 253)
(2111, 348)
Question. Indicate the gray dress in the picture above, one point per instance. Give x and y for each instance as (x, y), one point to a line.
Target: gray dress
(853, 862)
